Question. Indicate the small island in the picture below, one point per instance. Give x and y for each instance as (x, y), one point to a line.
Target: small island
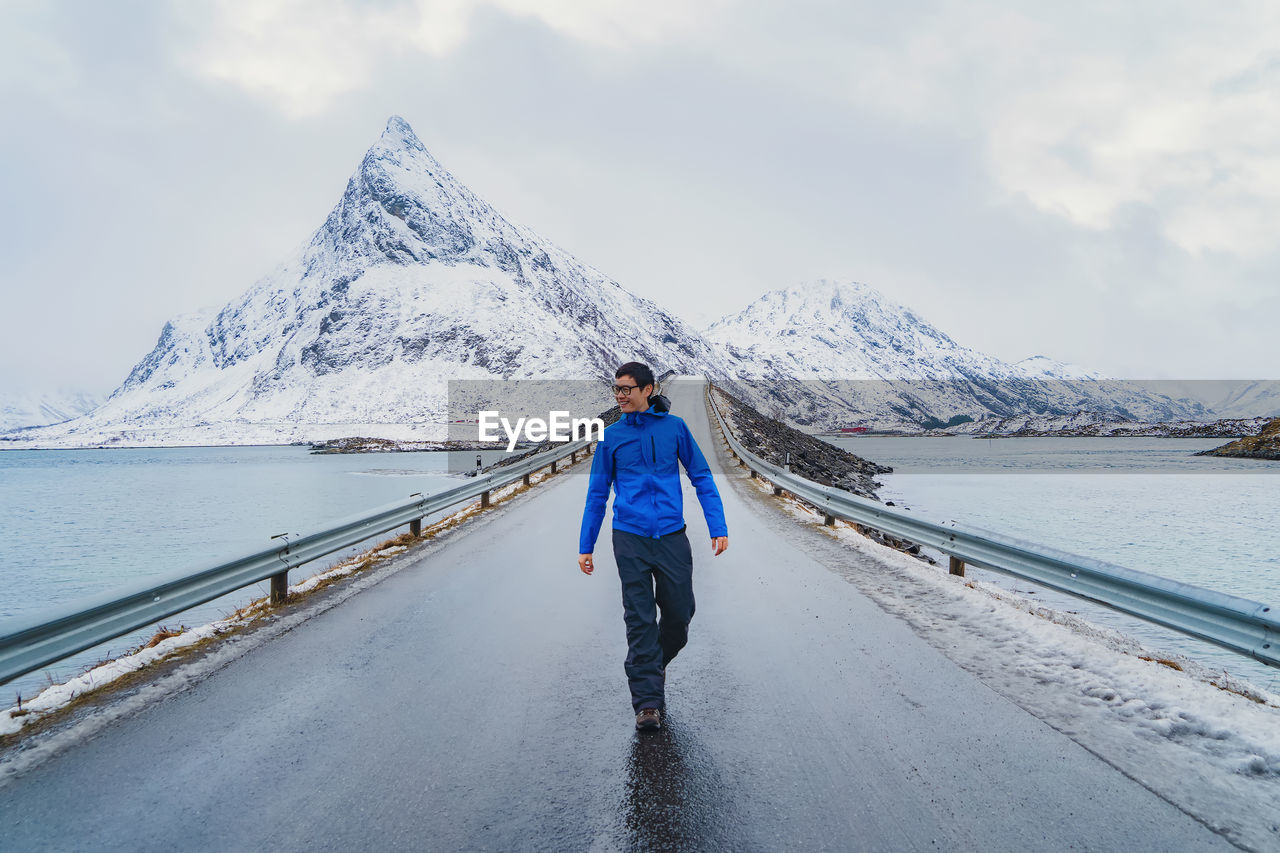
(364, 444)
(1264, 445)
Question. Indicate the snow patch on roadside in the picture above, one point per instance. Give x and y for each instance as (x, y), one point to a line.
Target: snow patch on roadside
(1206, 741)
(58, 696)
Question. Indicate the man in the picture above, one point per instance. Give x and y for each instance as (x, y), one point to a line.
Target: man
(638, 457)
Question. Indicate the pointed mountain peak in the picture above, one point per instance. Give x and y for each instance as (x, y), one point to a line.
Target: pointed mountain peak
(402, 205)
(1043, 367)
(820, 300)
(399, 135)
(837, 292)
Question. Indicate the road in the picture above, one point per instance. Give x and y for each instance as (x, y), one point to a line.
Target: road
(475, 700)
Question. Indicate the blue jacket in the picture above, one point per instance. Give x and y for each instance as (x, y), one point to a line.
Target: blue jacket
(638, 459)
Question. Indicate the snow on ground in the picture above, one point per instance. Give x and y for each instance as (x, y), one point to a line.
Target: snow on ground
(1204, 740)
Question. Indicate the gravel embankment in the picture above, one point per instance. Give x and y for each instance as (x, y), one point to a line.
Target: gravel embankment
(811, 458)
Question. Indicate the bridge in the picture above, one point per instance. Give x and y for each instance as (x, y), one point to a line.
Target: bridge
(470, 696)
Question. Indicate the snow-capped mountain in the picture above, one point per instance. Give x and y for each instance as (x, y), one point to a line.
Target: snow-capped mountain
(1043, 367)
(411, 281)
(29, 410)
(841, 330)
(835, 353)
(1229, 398)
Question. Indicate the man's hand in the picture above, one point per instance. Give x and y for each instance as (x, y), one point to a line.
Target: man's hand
(585, 563)
(719, 544)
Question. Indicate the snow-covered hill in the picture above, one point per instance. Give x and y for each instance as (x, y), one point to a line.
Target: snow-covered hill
(412, 281)
(839, 353)
(1043, 367)
(1230, 398)
(28, 410)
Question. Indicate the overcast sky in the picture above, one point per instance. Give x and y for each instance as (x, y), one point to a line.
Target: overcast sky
(1098, 182)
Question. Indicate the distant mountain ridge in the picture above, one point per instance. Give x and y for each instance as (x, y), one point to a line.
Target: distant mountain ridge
(840, 352)
(1043, 367)
(28, 410)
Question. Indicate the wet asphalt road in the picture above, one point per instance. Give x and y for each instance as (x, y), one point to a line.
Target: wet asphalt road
(475, 700)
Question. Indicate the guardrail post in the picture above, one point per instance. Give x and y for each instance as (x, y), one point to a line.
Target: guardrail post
(484, 499)
(573, 456)
(553, 466)
(754, 475)
(956, 566)
(829, 521)
(280, 581)
(524, 479)
(777, 490)
(280, 588)
(415, 527)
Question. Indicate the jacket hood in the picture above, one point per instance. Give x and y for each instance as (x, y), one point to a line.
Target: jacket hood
(658, 408)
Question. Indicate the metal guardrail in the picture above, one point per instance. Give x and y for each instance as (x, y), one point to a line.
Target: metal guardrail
(1238, 624)
(45, 639)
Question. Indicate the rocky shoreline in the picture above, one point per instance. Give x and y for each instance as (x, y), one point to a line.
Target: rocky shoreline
(811, 458)
(363, 444)
(1264, 445)
(1093, 425)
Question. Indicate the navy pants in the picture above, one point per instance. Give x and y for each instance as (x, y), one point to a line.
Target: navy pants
(654, 572)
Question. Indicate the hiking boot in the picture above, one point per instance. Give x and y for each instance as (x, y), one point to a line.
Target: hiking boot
(649, 719)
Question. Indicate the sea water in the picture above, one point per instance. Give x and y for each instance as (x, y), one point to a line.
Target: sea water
(79, 524)
(1144, 503)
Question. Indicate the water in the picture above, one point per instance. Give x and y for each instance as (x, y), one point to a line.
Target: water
(83, 523)
(79, 523)
(1145, 503)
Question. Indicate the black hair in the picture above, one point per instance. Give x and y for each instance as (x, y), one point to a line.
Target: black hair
(639, 372)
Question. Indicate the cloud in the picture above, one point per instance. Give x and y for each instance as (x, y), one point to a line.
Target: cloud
(619, 24)
(1022, 173)
(1109, 135)
(300, 55)
(31, 58)
(1088, 113)
(1083, 112)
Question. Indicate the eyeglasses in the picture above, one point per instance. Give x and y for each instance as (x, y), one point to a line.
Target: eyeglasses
(624, 390)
